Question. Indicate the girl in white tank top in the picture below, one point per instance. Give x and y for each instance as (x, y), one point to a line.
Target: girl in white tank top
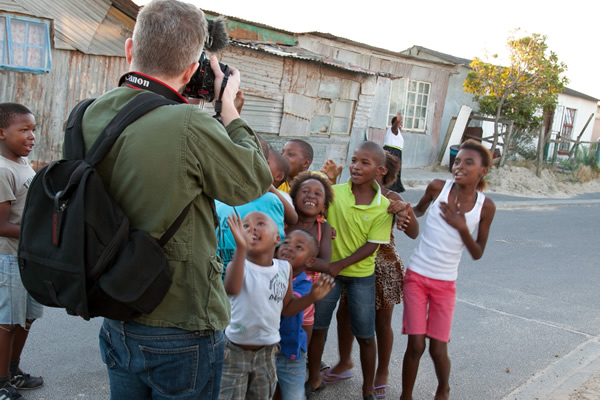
(457, 208)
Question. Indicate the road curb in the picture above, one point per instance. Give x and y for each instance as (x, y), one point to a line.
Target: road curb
(563, 378)
(544, 203)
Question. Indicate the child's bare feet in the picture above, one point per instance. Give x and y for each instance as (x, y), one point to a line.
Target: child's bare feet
(442, 393)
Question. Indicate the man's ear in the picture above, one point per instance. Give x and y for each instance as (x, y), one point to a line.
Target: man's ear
(128, 50)
(381, 170)
(310, 261)
(278, 239)
(189, 72)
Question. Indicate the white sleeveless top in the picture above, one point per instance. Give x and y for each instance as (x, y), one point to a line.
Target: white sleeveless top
(440, 246)
(392, 140)
(256, 310)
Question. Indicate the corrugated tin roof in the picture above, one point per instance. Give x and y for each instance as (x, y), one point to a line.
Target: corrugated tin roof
(298, 53)
(90, 26)
(444, 56)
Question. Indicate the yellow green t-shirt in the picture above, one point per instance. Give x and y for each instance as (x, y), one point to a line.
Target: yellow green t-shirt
(284, 187)
(355, 225)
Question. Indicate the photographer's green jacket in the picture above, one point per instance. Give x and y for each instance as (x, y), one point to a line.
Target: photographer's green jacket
(174, 155)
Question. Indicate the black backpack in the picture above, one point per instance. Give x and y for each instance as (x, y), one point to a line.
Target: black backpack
(76, 250)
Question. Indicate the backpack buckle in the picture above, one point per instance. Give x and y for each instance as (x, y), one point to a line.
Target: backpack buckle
(57, 217)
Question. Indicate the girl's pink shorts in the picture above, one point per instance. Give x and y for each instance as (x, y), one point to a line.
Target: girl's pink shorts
(419, 292)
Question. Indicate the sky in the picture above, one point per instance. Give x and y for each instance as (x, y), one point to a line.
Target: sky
(462, 28)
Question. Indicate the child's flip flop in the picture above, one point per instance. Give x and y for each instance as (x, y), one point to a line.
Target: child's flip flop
(380, 395)
(328, 377)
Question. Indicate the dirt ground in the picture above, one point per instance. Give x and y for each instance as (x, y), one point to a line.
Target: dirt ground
(589, 391)
(522, 181)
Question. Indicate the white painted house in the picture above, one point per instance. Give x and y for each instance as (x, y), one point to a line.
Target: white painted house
(574, 118)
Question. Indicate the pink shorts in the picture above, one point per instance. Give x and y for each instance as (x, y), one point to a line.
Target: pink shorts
(419, 292)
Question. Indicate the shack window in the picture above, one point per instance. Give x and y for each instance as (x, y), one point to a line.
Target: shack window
(337, 122)
(566, 132)
(411, 99)
(24, 44)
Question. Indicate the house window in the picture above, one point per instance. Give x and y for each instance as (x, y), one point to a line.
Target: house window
(411, 99)
(566, 131)
(24, 44)
(337, 122)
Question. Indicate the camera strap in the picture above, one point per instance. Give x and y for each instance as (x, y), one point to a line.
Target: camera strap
(138, 80)
(219, 102)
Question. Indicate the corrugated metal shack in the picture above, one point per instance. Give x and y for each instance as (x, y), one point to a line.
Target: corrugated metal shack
(331, 91)
(294, 82)
(87, 56)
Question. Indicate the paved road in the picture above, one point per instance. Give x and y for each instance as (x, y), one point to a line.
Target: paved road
(527, 320)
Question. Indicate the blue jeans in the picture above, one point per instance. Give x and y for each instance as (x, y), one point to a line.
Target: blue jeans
(147, 362)
(291, 375)
(360, 296)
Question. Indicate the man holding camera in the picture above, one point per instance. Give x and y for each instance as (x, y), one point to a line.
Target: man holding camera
(170, 157)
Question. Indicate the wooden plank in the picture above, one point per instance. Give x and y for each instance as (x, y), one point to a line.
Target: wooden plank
(446, 140)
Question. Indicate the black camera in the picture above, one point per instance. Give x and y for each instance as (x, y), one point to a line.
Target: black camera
(202, 84)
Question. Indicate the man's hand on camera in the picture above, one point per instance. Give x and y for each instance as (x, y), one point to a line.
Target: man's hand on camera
(228, 111)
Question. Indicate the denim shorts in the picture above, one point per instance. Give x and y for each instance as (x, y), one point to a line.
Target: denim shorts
(360, 295)
(148, 362)
(291, 375)
(16, 305)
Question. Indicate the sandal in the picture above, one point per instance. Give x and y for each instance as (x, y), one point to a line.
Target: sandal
(382, 394)
(328, 377)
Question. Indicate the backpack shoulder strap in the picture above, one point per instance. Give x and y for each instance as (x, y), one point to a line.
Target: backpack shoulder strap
(74, 147)
(174, 226)
(138, 106)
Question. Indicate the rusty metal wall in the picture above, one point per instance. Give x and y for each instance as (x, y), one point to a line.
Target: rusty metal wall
(261, 77)
(76, 20)
(51, 96)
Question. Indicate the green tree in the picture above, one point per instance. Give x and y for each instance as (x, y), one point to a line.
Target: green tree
(521, 91)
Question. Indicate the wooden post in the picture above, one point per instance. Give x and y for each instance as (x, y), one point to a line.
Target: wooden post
(540, 154)
(573, 152)
(506, 144)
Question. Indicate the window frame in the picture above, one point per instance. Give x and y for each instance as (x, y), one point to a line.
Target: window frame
(332, 117)
(566, 130)
(8, 44)
(410, 121)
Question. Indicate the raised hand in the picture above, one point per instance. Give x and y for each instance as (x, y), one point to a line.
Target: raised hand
(237, 230)
(331, 170)
(322, 286)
